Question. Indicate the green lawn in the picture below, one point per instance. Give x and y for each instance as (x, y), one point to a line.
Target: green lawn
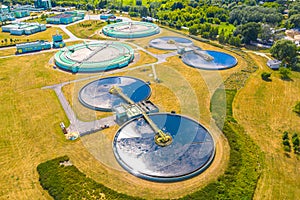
(89, 29)
(228, 28)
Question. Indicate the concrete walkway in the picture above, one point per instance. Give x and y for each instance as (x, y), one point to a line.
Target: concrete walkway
(77, 125)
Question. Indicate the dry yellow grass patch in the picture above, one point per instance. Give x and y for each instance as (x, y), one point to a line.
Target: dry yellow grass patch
(8, 52)
(264, 109)
(142, 58)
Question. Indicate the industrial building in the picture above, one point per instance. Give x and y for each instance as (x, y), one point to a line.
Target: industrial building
(66, 18)
(33, 46)
(23, 28)
(8, 13)
(125, 112)
(21, 13)
(274, 64)
(57, 41)
(5, 14)
(45, 4)
(107, 16)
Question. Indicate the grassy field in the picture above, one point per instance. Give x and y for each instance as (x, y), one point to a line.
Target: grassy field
(88, 29)
(264, 109)
(228, 28)
(8, 52)
(45, 35)
(30, 124)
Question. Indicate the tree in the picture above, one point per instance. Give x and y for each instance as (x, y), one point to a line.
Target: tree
(265, 33)
(295, 141)
(138, 2)
(294, 20)
(143, 11)
(249, 31)
(285, 135)
(193, 30)
(221, 37)
(296, 108)
(284, 50)
(284, 72)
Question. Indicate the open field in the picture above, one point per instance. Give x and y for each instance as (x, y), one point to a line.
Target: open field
(264, 109)
(30, 125)
(44, 35)
(88, 29)
(7, 52)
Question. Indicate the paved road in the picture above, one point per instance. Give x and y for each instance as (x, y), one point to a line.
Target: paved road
(77, 125)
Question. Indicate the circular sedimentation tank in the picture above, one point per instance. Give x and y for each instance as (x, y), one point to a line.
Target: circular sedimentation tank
(192, 149)
(94, 57)
(132, 29)
(96, 95)
(211, 60)
(169, 43)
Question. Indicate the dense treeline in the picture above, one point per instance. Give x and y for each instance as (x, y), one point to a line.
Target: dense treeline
(67, 182)
(244, 14)
(210, 19)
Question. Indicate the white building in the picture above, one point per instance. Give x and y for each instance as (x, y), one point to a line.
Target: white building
(274, 64)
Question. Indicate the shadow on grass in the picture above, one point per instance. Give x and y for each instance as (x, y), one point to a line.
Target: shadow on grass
(287, 155)
(286, 78)
(267, 79)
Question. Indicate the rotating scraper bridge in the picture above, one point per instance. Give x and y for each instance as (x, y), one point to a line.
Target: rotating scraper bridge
(132, 29)
(161, 138)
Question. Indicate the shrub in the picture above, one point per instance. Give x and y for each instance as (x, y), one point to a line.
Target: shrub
(286, 142)
(284, 72)
(67, 182)
(296, 141)
(296, 108)
(287, 148)
(266, 76)
(285, 135)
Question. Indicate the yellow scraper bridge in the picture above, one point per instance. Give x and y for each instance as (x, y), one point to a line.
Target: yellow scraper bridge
(161, 138)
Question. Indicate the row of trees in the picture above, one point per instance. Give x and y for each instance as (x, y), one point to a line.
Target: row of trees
(287, 145)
